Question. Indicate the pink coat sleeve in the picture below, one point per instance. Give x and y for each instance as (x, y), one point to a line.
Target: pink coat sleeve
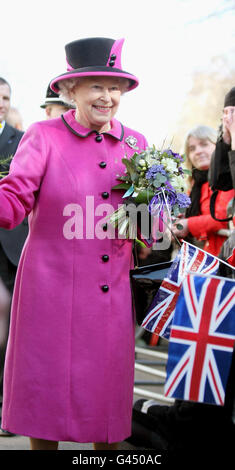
(18, 189)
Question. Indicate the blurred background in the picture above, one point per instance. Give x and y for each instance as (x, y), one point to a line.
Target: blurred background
(182, 51)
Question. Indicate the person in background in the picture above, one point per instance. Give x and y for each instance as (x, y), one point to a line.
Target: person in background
(198, 226)
(222, 175)
(11, 241)
(222, 168)
(54, 105)
(14, 118)
(9, 136)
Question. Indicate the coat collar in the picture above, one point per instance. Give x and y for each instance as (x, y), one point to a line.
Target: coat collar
(116, 131)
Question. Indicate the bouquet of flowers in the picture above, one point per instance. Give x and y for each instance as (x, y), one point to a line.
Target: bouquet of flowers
(155, 178)
(4, 166)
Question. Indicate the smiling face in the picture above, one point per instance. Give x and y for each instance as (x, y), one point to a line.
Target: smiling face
(97, 100)
(199, 152)
(5, 96)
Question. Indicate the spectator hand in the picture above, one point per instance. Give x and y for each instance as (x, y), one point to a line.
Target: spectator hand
(144, 252)
(229, 126)
(180, 228)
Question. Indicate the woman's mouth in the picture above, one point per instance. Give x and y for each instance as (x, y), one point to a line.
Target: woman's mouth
(202, 157)
(102, 109)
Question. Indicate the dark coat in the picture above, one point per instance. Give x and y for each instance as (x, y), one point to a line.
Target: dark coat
(9, 141)
(11, 241)
(231, 157)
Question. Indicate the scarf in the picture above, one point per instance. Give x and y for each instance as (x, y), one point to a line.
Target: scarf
(200, 177)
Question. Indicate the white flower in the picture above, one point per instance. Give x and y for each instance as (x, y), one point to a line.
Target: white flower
(169, 164)
(178, 182)
(151, 160)
(142, 162)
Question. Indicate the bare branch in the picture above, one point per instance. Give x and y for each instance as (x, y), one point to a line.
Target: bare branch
(213, 14)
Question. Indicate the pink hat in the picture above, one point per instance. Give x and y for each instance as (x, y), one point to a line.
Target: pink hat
(94, 57)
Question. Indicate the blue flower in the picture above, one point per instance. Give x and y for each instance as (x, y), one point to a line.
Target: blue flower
(168, 151)
(151, 173)
(173, 154)
(169, 186)
(163, 198)
(183, 200)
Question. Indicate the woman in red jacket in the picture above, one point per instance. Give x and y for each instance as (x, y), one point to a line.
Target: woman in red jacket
(198, 223)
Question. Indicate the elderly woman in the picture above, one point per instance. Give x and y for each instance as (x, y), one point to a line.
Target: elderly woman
(70, 359)
(198, 222)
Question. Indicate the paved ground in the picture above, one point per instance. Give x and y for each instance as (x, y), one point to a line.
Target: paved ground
(22, 443)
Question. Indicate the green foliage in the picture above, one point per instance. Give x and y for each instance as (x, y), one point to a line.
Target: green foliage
(4, 165)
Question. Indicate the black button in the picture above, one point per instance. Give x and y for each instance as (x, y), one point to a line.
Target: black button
(105, 288)
(111, 63)
(105, 195)
(105, 227)
(98, 138)
(113, 56)
(105, 258)
(103, 164)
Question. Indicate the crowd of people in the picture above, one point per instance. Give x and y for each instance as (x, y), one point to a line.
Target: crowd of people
(67, 335)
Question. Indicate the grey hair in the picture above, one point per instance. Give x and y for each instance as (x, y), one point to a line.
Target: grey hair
(199, 132)
(67, 85)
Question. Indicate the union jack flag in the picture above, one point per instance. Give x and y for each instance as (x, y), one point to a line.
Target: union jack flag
(189, 259)
(202, 340)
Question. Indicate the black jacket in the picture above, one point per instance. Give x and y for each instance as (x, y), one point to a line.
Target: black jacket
(12, 241)
(231, 157)
(9, 141)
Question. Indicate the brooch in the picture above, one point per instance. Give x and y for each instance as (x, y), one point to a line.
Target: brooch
(131, 141)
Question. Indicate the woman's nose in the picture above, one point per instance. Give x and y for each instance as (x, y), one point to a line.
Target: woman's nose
(105, 95)
(198, 150)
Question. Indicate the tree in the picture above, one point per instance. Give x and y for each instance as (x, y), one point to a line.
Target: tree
(204, 102)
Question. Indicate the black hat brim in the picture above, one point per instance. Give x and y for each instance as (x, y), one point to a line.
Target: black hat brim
(95, 71)
(61, 103)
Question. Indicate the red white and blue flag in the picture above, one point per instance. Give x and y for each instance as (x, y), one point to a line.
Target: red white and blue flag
(189, 259)
(202, 340)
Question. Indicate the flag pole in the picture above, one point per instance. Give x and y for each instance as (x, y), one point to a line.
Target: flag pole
(216, 257)
(194, 246)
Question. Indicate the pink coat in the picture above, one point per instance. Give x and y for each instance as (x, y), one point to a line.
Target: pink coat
(70, 357)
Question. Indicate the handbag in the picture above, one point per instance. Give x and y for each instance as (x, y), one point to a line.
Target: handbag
(212, 207)
(145, 282)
